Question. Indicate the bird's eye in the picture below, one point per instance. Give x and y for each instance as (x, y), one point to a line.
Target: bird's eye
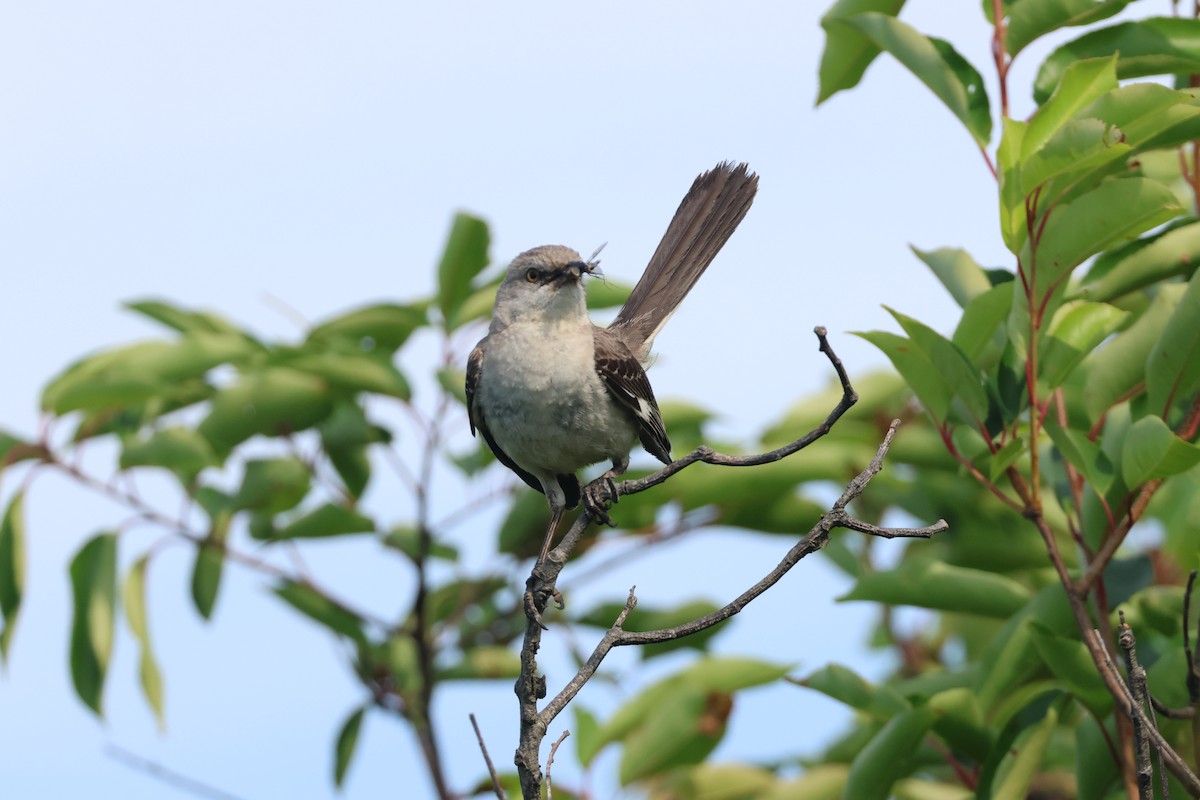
(532, 275)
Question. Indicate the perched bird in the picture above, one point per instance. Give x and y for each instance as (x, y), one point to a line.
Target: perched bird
(553, 393)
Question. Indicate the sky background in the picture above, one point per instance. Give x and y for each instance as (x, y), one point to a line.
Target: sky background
(274, 161)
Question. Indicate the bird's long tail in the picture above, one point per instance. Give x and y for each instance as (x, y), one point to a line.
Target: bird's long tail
(704, 221)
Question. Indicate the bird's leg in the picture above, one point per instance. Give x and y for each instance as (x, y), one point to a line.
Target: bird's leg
(556, 514)
(536, 593)
(601, 494)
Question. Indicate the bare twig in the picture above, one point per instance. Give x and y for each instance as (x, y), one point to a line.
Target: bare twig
(165, 775)
(496, 787)
(1126, 704)
(550, 762)
(1137, 686)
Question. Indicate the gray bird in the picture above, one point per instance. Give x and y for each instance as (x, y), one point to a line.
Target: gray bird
(553, 393)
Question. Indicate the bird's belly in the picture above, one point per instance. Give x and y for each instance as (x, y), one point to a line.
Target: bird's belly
(556, 417)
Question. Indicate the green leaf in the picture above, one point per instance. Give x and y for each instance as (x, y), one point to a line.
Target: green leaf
(937, 585)
(981, 327)
(1078, 328)
(685, 724)
(886, 757)
(1067, 658)
(272, 485)
(181, 450)
(275, 402)
(372, 329)
(482, 663)
(937, 64)
(464, 257)
(210, 562)
(1081, 84)
(958, 272)
(453, 382)
(355, 371)
(649, 619)
(315, 605)
(14, 450)
(605, 293)
(951, 363)
(848, 52)
(12, 569)
(1173, 367)
(1114, 370)
(326, 520)
(846, 686)
(347, 741)
(1079, 146)
(1153, 451)
(959, 720)
(1031, 19)
(1024, 757)
(1156, 46)
(1084, 455)
(586, 732)
(406, 539)
(181, 319)
(134, 598)
(916, 369)
(1144, 262)
(1107, 215)
(1009, 162)
(1095, 770)
(94, 588)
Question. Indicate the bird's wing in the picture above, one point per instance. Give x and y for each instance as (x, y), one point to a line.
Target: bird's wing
(626, 381)
(568, 483)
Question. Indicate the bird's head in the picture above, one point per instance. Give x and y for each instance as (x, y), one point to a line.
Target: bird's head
(543, 282)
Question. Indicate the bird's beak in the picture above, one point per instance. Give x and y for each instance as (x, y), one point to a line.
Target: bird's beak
(570, 273)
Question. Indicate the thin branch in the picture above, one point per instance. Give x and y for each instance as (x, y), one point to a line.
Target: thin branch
(550, 762)
(487, 759)
(165, 775)
(1137, 686)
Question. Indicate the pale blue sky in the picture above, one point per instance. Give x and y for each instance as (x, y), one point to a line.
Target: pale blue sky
(221, 153)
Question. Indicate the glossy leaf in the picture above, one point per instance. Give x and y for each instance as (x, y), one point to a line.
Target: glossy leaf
(981, 327)
(883, 761)
(1079, 146)
(464, 256)
(1009, 161)
(1173, 367)
(375, 328)
(917, 370)
(320, 608)
(952, 365)
(272, 485)
(1077, 329)
(958, 272)
(275, 402)
(181, 450)
(937, 64)
(1081, 84)
(934, 584)
(1157, 46)
(1153, 451)
(326, 520)
(134, 599)
(345, 745)
(94, 588)
(1084, 455)
(1172, 253)
(12, 569)
(848, 52)
(1031, 19)
(1113, 212)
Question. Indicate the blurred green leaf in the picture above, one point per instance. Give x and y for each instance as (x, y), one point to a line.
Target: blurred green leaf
(272, 485)
(181, 319)
(1153, 451)
(958, 272)
(449, 601)
(181, 450)
(586, 733)
(1031, 19)
(406, 539)
(686, 722)
(464, 256)
(14, 450)
(934, 584)
(1067, 658)
(1173, 367)
(1156, 46)
(1022, 760)
(651, 619)
(848, 52)
(355, 371)
(888, 756)
(981, 326)
(210, 562)
(959, 720)
(1095, 768)
(315, 605)
(274, 402)
(846, 686)
(374, 328)
(94, 588)
(12, 569)
(1083, 454)
(326, 520)
(453, 382)
(483, 663)
(134, 598)
(937, 64)
(345, 745)
(605, 293)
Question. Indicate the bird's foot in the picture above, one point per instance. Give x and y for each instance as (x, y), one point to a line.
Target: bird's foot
(598, 497)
